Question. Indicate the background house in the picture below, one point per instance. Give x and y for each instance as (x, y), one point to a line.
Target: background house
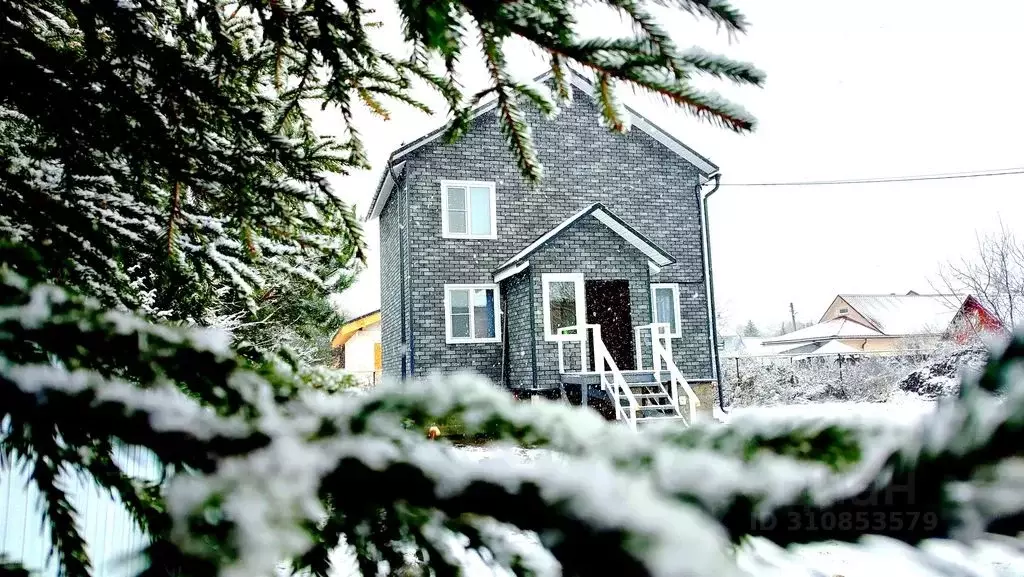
(740, 346)
(886, 324)
(357, 347)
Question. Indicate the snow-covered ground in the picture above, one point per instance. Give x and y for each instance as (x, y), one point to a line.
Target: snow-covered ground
(903, 406)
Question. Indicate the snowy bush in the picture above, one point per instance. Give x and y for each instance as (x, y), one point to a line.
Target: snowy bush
(766, 381)
(940, 375)
(815, 379)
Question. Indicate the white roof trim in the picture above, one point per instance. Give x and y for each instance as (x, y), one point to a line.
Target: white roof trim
(583, 84)
(506, 273)
(656, 256)
(579, 81)
(385, 190)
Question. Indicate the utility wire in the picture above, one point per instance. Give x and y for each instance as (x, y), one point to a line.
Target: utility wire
(915, 178)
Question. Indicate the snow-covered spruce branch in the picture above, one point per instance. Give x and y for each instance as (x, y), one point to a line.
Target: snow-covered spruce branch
(603, 518)
(481, 408)
(81, 336)
(739, 476)
(175, 427)
(352, 448)
(269, 491)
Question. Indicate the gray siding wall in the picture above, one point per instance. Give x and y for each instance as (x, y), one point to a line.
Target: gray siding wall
(636, 177)
(520, 339)
(591, 248)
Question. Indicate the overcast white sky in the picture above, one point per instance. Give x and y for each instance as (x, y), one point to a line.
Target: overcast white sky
(855, 90)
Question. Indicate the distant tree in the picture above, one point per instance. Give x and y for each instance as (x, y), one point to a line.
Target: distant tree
(751, 330)
(994, 274)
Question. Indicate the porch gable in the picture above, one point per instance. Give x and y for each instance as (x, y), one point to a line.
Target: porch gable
(656, 255)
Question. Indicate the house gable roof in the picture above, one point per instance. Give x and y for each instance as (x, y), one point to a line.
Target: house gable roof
(386, 183)
(909, 314)
(353, 326)
(657, 256)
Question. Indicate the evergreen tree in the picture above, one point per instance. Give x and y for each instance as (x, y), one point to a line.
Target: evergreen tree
(159, 176)
(751, 330)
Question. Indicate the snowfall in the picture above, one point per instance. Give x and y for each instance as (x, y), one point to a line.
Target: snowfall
(874, 557)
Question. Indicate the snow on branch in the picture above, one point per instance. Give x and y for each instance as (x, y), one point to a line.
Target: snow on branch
(662, 502)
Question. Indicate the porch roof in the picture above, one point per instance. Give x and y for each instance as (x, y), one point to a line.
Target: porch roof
(657, 255)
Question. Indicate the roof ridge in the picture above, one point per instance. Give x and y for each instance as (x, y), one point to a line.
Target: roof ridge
(901, 295)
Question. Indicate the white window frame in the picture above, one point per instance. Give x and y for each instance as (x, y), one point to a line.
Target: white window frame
(452, 340)
(581, 305)
(675, 305)
(445, 185)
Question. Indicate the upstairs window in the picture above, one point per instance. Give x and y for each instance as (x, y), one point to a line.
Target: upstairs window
(471, 313)
(665, 306)
(468, 210)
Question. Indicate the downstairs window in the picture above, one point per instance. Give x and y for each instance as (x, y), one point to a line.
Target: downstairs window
(471, 313)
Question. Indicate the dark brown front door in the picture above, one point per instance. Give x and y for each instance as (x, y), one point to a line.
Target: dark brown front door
(608, 306)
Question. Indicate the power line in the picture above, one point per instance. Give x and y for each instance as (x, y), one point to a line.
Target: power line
(914, 178)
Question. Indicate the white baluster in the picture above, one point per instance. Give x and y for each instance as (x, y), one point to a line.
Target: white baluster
(581, 333)
(561, 356)
(638, 348)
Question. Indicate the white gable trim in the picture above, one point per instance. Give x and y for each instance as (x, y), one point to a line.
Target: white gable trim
(657, 257)
(706, 168)
(579, 81)
(385, 190)
(547, 236)
(509, 272)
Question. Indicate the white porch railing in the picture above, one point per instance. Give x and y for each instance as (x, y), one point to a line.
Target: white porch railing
(604, 365)
(661, 360)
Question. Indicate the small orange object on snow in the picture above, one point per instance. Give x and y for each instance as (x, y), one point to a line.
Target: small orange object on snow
(433, 432)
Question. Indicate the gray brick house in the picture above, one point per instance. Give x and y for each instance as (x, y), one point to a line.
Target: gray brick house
(480, 270)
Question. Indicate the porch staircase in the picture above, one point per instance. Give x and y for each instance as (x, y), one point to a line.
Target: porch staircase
(639, 397)
(654, 403)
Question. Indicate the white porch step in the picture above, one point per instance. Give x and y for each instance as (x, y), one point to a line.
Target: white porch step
(660, 418)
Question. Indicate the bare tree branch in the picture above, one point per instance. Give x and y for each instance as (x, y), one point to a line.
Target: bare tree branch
(994, 275)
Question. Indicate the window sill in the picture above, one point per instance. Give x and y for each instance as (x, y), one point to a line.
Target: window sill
(469, 236)
(452, 341)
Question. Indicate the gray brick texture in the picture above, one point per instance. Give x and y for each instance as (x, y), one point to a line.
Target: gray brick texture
(394, 277)
(637, 178)
(517, 295)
